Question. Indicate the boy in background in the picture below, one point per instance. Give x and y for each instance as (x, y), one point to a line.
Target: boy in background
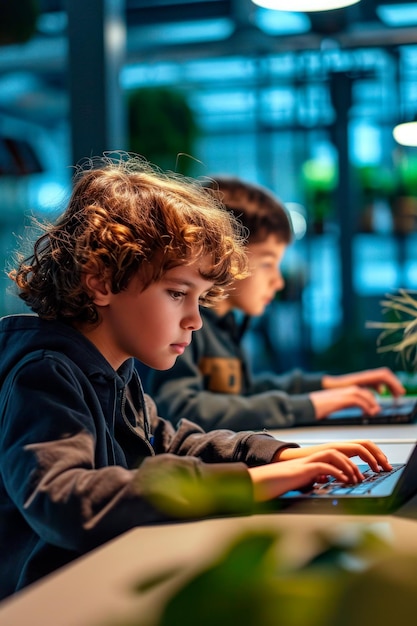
(84, 455)
(211, 382)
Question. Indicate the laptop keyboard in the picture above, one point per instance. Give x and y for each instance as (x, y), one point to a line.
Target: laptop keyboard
(397, 409)
(393, 411)
(337, 488)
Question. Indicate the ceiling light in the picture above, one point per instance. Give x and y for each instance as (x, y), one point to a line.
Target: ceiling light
(406, 133)
(304, 5)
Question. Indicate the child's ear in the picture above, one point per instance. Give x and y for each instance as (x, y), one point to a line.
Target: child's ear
(98, 289)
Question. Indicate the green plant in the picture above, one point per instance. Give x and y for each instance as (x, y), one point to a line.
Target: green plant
(162, 127)
(407, 176)
(376, 181)
(355, 578)
(319, 182)
(399, 329)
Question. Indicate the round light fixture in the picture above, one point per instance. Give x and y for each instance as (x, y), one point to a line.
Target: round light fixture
(406, 133)
(304, 5)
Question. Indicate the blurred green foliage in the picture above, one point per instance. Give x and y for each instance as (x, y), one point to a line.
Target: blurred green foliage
(176, 493)
(319, 181)
(162, 127)
(354, 579)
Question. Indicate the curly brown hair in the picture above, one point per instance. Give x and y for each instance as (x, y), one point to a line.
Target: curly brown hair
(257, 208)
(125, 216)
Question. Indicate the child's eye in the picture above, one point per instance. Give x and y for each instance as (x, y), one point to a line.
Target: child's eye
(177, 295)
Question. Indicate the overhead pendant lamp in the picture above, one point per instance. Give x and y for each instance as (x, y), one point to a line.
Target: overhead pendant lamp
(406, 133)
(304, 5)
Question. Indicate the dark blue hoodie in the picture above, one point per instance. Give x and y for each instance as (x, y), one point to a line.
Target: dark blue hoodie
(83, 453)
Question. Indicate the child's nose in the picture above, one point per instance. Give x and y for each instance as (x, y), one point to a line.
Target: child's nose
(279, 281)
(193, 321)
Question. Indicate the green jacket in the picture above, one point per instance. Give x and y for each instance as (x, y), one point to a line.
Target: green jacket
(211, 384)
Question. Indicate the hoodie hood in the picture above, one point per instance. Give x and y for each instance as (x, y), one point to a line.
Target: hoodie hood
(22, 334)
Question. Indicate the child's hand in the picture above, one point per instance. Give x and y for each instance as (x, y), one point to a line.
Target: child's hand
(366, 450)
(270, 481)
(328, 400)
(378, 379)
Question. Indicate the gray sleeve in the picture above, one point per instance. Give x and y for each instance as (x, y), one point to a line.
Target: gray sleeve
(293, 382)
(180, 393)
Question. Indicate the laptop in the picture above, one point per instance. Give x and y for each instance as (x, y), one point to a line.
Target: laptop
(402, 410)
(379, 493)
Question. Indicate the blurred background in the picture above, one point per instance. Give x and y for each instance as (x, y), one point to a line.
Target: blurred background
(303, 103)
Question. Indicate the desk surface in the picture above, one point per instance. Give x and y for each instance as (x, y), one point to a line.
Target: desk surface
(98, 586)
(381, 435)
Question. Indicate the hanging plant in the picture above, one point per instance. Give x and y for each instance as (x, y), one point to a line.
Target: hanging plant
(162, 127)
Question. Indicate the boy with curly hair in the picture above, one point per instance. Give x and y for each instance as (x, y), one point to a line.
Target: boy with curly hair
(84, 455)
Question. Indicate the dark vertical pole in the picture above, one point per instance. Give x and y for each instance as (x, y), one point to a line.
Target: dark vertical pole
(341, 93)
(97, 41)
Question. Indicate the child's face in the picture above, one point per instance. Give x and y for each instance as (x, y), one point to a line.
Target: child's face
(253, 294)
(154, 325)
